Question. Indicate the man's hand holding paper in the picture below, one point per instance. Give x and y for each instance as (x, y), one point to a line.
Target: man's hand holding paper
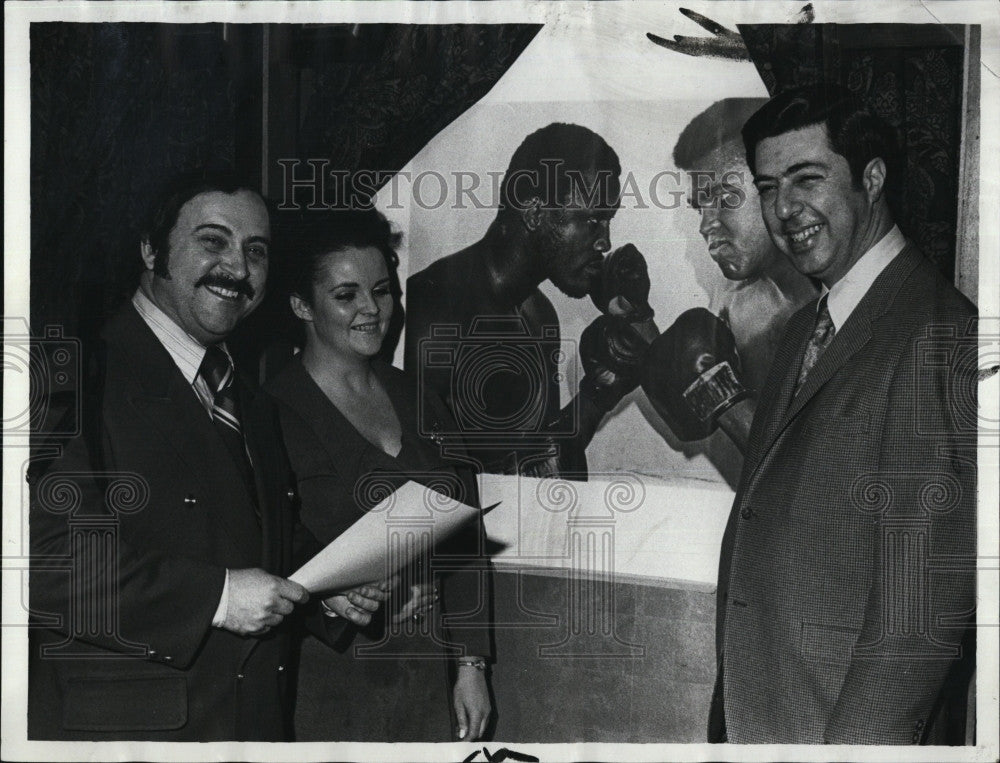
(258, 601)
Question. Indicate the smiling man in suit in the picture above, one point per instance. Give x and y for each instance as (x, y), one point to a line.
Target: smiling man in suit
(172, 627)
(837, 620)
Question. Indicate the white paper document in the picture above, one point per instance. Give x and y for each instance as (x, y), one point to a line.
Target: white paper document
(408, 522)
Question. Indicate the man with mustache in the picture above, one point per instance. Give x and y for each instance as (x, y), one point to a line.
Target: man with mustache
(557, 199)
(838, 620)
(175, 631)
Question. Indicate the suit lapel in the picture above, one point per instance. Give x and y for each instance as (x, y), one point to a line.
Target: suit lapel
(785, 405)
(295, 388)
(171, 410)
(255, 440)
(261, 437)
(781, 382)
(854, 334)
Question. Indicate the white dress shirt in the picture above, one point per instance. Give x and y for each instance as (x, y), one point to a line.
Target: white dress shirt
(187, 353)
(851, 289)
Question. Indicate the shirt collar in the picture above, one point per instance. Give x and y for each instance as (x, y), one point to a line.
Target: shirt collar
(186, 351)
(851, 289)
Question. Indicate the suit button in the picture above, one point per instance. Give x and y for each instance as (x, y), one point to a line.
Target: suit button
(747, 513)
(280, 668)
(168, 658)
(152, 653)
(190, 500)
(239, 676)
(291, 494)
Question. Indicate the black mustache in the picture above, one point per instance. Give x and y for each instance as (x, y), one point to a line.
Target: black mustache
(214, 279)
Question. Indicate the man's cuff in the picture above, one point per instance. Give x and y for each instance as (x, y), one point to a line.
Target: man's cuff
(223, 609)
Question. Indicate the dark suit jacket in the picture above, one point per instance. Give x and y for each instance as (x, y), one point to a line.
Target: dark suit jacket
(151, 666)
(847, 569)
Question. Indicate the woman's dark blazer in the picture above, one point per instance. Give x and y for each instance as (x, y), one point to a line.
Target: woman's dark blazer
(334, 467)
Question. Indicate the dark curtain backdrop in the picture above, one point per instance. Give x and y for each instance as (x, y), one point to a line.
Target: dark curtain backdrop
(116, 109)
(912, 76)
(370, 96)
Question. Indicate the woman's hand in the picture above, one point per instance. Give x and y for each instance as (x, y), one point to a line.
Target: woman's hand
(472, 703)
(423, 596)
(358, 604)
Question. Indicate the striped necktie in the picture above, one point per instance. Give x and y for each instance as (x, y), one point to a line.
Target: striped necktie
(821, 337)
(217, 370)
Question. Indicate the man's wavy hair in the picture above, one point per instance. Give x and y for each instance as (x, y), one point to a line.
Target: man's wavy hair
(177, 192)
(855, 131)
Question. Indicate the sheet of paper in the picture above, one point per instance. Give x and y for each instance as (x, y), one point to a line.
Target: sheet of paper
(408, 522)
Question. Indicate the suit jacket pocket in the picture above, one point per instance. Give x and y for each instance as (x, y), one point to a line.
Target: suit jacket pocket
(828, 643)
(141, 703)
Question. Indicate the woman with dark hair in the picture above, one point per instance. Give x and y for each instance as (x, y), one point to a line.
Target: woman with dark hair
(348, 416)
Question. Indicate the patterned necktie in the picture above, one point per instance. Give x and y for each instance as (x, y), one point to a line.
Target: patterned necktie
(821, 337)
(217, 370)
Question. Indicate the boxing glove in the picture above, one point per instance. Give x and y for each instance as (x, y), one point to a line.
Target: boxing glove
(622, 290)
(692, 373)
(612, 354)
